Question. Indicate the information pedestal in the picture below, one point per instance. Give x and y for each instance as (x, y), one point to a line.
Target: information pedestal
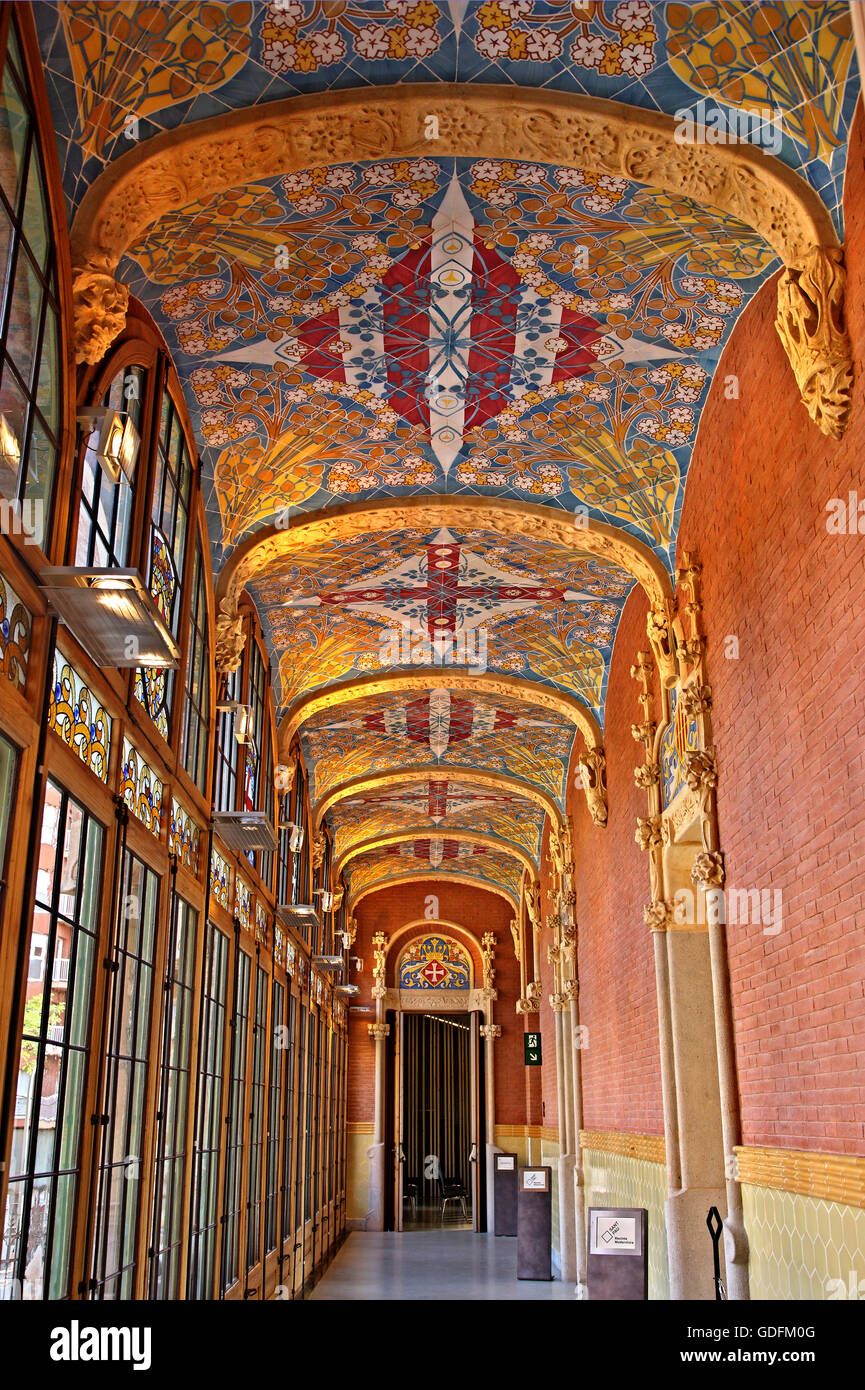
(618, 1265)
(505, 1193)
(534, 1224)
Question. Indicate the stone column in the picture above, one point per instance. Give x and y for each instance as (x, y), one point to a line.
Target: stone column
(375, 1153)
(489, 1032)
(567, 1253)
(572, 994)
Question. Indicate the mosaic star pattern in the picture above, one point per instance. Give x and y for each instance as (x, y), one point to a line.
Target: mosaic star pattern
(390, 329)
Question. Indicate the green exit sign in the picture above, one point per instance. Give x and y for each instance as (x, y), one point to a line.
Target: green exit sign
(532, 1043)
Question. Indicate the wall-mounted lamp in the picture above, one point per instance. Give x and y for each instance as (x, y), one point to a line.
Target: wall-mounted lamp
(117, 447)
(242, 718)
(326, 898)
(295, 839)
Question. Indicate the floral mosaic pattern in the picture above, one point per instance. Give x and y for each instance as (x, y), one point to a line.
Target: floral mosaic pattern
(521, 607)
(449, 729)
(390, 865)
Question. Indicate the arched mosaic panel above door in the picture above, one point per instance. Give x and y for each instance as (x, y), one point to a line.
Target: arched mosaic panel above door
(434, 962)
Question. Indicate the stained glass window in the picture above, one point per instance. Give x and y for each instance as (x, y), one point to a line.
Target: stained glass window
(260, 923)
(220, 879)
(242, 903)
(196, 708)
(142, 789)
(169, 526)
(184, 837)
(16, 625)
(30, 372)
(77, 717)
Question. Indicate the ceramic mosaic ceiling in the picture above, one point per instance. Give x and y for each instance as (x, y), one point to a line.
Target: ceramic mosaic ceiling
(463, 327)
(379, 603)
(442, 859)
(432, 808)
(447, 729)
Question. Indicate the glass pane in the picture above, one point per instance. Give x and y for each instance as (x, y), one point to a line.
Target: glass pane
(13, 136)
(34, 215)
(40, 464)
(7, 777)
(48, 383)
(24, 317)
(13, 423)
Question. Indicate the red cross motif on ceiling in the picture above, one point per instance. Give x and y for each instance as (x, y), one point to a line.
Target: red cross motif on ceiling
(439, 721)
(432, 582)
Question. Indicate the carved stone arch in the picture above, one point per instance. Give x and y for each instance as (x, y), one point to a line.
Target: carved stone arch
(465, 837)
(508, 517)
(512, 687)
(467, 879)
(377, 781)
(427, 925)
(203, 158)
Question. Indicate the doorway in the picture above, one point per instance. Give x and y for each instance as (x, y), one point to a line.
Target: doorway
(438, 1168)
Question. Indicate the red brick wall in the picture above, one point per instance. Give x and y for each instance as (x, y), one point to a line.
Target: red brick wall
(788, 718)
(621, 1066)
(477, 911)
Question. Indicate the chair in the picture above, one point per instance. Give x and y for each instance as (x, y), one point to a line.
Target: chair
(411, 1192)
(452, 1190)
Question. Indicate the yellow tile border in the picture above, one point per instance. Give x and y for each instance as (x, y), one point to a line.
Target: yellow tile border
(548, 1132)
(835, 1177)
(650, 1147)
(359, 1127)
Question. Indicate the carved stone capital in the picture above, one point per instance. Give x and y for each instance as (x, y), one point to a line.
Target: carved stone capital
(695, 700)
(700, 769)
(657, 915)
(558, 1003)
(99, 306)
(708, 869)
(647, 775)
(379, 991)
(649, 832)
(810, 324)
(490, 1031)
(527, 1006)
(378, 1031)
(572, 991)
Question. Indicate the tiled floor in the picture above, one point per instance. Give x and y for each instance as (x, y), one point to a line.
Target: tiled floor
(431, 1264)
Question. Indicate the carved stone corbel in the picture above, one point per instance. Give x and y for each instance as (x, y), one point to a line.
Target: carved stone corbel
(649, 832)
(378, 1031)
(490, 1031)
(811, 326)
(99, 306)
(229, 639)
(695, 700)
(319, 845)
(593, 764)
(661, 635)
(533, 905)
(515, 934)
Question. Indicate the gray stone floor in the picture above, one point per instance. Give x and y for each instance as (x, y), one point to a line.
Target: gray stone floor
(375, 1265)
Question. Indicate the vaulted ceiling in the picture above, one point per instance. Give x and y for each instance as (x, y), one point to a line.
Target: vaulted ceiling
(462, 328)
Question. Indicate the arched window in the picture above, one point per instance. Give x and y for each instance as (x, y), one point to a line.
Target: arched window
(106, 507)
(30, 374)
(169, 527)
(196, 707)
